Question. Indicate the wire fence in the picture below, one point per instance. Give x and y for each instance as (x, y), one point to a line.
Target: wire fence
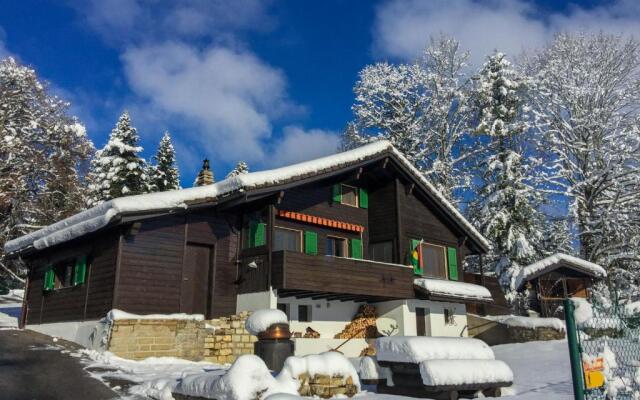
(609, 343)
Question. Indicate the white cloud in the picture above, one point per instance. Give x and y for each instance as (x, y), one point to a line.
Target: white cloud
(298, 145)
(122, 22)
(231, 96)
(402, 27)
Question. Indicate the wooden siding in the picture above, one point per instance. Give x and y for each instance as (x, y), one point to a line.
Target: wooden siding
(383, 221)
(91, 300)
(292, 270)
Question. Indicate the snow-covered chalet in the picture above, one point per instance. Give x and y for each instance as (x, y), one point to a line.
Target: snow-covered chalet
(316, 239)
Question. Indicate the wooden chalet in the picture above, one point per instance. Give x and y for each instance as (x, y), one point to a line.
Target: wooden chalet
(315, 239)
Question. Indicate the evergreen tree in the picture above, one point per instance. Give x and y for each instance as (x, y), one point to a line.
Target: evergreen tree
(43, 157)
(118, 170)
(504, 209)
(241, 168)
(557, 238)
(164, 174)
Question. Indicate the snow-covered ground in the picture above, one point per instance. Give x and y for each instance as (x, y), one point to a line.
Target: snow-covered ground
(10, 305)
(541, 371)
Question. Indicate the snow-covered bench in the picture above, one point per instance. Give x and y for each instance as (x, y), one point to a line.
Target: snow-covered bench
(441, 367)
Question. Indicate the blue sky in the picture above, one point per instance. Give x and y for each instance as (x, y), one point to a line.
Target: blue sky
(269, 82)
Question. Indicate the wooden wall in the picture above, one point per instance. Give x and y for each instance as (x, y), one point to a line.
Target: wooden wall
(91, 300)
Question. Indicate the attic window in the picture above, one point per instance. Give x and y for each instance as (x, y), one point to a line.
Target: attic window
(349, 195)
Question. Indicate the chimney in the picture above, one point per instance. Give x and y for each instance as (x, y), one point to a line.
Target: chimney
(205, 177)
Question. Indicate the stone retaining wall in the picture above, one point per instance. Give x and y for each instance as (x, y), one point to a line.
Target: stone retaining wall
(218, 341)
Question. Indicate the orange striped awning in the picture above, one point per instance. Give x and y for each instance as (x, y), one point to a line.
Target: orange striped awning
(310, 219)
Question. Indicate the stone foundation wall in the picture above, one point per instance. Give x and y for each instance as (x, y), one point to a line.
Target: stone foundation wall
(229, 339)
(218, 341)
(519, 334)
(137, 339)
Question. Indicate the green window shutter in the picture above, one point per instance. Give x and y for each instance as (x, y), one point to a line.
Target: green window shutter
(364, 198)
(49, 279)
(452, 256)
(253, 229)
(414, 257)
(356, 248)
(311, 243)
(80, 271)
(336, 193)
(260, 239)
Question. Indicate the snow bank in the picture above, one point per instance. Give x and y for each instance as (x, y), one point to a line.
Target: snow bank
(369, 369)
(247, 379)
(261, 320)
(108, 212)
(548, 263)
(115, 314)
(464, 372)
(528, 322)
(631, 309)
(415, 349)
(8, 322)
(461, 290)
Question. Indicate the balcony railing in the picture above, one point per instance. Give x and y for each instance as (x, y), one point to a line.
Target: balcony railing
(296, 271)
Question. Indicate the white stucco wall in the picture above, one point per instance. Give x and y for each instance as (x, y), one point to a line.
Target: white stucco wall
(90, 334)
(327, 317)
(404, 313)
(256, 301)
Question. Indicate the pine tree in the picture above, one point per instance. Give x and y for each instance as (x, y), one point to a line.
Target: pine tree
(118, 170)
(164, 174)
(241, 168)
(557, 238)
(504, 209)
(43, 156)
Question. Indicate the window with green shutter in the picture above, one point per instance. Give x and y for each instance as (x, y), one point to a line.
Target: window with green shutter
(49, 279)
(336, 193)
(452, 258)
(311, 243)
(260, 236)
(255, 235)
(364, 198)
(80, 271)
(414, 257)
(356, 248)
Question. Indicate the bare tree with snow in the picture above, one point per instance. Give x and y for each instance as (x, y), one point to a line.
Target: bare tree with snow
(586, 102)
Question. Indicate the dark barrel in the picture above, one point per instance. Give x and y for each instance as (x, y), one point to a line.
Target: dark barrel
(274, 346)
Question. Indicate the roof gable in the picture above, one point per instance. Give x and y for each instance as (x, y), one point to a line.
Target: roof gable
(556, 261)
(111, 211)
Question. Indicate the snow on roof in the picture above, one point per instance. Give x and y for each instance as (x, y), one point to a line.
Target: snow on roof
(102, 215)
(528, 322)
(454, 289)
(557, 260)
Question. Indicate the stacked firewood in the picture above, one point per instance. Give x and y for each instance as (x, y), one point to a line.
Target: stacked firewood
(362, 326)
(311, 334)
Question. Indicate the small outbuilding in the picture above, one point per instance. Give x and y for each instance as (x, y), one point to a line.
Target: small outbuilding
(556, 277)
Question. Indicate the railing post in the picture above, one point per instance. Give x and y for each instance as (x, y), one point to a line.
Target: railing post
(574, 350)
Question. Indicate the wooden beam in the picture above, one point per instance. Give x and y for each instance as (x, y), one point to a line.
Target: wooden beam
(359, 173)
(385, 163)
(411, 187)
(280, 197)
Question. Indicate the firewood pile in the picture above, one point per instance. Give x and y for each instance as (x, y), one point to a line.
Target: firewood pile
(362, 326)
(311, 334)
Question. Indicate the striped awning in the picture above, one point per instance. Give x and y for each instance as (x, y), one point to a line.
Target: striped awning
(310, 219)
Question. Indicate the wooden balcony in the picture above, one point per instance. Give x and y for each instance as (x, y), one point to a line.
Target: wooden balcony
(302, 275)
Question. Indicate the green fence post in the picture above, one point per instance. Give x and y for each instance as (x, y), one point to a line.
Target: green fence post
(574, 351)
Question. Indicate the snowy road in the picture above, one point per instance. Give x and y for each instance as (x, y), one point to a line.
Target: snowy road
(32, 366)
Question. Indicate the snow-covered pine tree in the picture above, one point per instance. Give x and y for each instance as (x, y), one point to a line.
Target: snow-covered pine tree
(165, 175)
(43, 156)
(240, 168)
(505, 211)
(422, 109)
(586, 106)
(557, 238)
(118, 169)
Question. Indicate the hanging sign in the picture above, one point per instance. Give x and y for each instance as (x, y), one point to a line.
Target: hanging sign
(593, 373)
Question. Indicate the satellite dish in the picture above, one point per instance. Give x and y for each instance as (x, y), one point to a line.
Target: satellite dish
(387, 326)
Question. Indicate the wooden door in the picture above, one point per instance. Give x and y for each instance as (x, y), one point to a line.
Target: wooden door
(197, 280)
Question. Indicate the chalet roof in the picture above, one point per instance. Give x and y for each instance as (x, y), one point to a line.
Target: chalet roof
(558, 260)
(110, 212)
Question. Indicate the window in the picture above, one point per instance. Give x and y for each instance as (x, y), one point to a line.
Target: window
(285, 309)
(254, 231)
(304, 313)
(349, 195)
(423, 323)
(382, 251)
(434, 261)
(63, 274)
(67, 273)
(336, 246)
(287, 239)
(450, 316)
